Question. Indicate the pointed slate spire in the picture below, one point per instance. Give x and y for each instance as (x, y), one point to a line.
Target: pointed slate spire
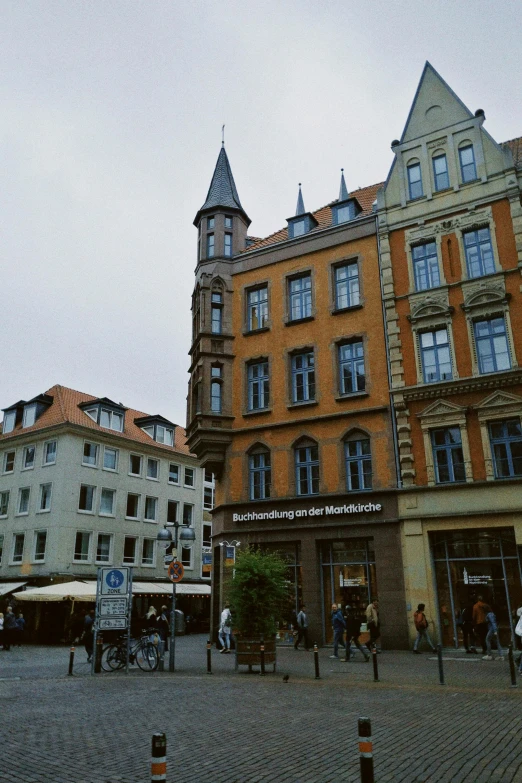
(222, 192)
(343, 190)
(300, 209)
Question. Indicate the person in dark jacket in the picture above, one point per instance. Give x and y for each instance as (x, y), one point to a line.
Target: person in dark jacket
(339, 627)
(480, 623)
(353, 631)
(492, 636)
(20, 629)
(302, 629)
(468, 633)
(88, 634)
(9, 628)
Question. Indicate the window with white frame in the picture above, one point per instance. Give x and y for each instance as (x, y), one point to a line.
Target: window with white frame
(110, 458)
(491, 344)
(188, 514)
(111, 420)
(480, 260)
(9, 461)
(4, 503)
(90, 454)
(9, 422)
(425, 266)
(151, 509)
(29, 417)
(257, 308)
(172, 511)
(45, 497)
(468, 168)
(153, 468)
(133, 506)
(148, 552)
(86, 499)
(415, 181)
(23, 500)
(17, 552)
(186, 556)
(129, 550)
(28, 457)
(82, 546)
(135, 465)
(506, 447)
(189, 477)
(49, 457)
(107, 502)
(435, 355)
(208, 498)
(352, 377)
(173, 473)
(346, 283)
(40, 542)
(104, 548)
(440, 172)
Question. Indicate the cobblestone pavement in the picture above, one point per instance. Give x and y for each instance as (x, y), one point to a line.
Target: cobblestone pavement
(235, 727)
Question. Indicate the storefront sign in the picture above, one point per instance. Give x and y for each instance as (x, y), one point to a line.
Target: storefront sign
(206, 563)
(315, 511)
(476, 579)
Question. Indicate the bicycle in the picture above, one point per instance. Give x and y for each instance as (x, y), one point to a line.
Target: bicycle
(142, 651)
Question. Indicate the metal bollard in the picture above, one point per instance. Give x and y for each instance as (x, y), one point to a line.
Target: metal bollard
(71, 661)
(98, 654)
(161, 654)
(512, 670)
(158, 762)
(375, 664)
(262, 650)
(441, 668)
(316, 662)
(366, 750)
(209, 657)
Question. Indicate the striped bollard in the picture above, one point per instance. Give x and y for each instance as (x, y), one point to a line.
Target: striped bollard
(158, 762)
(316, 662)
(71, 661)
(262, 651)
(375, 664)
(512, 670)
(209, 657)
(441, 665)
(366, 750)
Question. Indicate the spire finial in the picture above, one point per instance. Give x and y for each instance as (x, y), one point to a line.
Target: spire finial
(300, 209)
(343, 190)
(223, 135)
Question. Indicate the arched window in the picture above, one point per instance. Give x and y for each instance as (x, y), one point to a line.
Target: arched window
(216, 388)
(216, 299)
(306, 454)
(358, 460)
(259, 473)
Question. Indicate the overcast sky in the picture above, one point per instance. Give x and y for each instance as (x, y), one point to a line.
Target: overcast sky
(110, 121)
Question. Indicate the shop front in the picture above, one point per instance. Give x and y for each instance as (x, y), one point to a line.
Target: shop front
(470, 563)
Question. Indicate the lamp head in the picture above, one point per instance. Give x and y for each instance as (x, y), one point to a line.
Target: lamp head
(164, 535)
(187, 536)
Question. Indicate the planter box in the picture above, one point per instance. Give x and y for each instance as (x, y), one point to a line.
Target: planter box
(248, 653)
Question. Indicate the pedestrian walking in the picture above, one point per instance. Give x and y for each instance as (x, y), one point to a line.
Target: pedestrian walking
(1, 629)
(518, 632)
(373, 622)
(225, 629)
(339, 627)
(20, 629)
(421, 626)
(468, 633)
(164, 627)
(88, 634)
(480, 623)
(9, 628)
(492, 636)
(353, 631)
(302, 629)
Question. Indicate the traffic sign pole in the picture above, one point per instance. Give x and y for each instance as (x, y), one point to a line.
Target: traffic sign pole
(172, 648)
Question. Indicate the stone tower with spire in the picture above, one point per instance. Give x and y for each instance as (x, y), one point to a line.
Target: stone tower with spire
(222, 225)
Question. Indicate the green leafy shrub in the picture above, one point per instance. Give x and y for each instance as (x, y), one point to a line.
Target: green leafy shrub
(258, 592)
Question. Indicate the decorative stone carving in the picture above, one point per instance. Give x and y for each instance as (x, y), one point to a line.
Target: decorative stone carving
(491, 290)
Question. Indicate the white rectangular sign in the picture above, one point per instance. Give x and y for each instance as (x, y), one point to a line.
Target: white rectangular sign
(109, 623)
(109, 607)
(115, 581)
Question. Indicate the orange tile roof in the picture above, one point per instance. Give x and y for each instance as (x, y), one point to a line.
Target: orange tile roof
(65, 410)
(515, 145)
(365, 197)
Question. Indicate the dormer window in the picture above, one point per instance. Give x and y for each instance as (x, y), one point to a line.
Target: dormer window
(9, 422)
(157, 428)
(106, 413)
(26, 412)
(344, 211)
(111, 420)
(298, 228)
(29, 415)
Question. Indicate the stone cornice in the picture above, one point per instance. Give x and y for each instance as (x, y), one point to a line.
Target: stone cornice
(460, 386)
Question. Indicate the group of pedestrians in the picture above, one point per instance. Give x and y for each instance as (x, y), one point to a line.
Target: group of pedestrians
(350, 624)
(12, 629)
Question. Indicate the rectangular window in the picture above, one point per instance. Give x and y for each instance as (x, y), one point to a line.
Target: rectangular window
(307, 470)
(107, 498)
(50, 452)
(210, 223)
(164, 435)
(28, 457)
(297, 228)
(506, 448)
(188, 514)
(258, 386)
(110, 458)
(210, 245)
(303, 377)
(492, 345)
(440, 172)
(18, 548)
(90, 454)
(415, 181)
(29, 415)
(151, 509)
(216, 389)
(173, 473)
(23, 500)
(447, 455)
(152, 468)
(9, 461)
(103, 548)
(111, 420)
(9, 422)
(208, 498)
(228, 245)
(86, 501)
(347, 290)
(358, 465)
(189, 477)
(129, 550)
(300, 297)
(207, 535)
(135, 465)
(467, 163)
(351, 368)
(260, 475)
(216, 312)
(435, 356)
(45, 497)
(257, 308)
(425, 266)
(186, 556)
(4, 503)
(82, 546)
(1, 548)
(133, 506)
(172, 511)
(147, 552)
(228, 221)
(479, 252)
(40, 541)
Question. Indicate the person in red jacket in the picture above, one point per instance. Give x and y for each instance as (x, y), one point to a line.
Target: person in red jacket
(421, 625)
(480, 611)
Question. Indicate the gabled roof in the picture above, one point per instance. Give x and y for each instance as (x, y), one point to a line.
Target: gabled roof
(323, 216)
(222, 192)
(66, 409)
(515, 145)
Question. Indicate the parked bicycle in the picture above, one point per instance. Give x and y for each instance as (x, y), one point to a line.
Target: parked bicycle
(142, 651)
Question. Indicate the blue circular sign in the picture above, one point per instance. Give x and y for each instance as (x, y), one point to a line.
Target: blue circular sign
(114, 578)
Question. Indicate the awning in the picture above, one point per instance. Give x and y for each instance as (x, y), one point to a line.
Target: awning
(10, 587)
(86, 591)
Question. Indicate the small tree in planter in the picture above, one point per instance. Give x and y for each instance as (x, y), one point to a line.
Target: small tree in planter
(258, 592)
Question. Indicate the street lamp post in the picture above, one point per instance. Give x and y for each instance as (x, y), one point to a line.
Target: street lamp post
(186, 537)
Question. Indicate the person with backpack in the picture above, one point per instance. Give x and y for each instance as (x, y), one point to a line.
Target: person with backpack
(302, 629)
(225, 629)
(492, 634)
(353, 631)
(421, 625)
